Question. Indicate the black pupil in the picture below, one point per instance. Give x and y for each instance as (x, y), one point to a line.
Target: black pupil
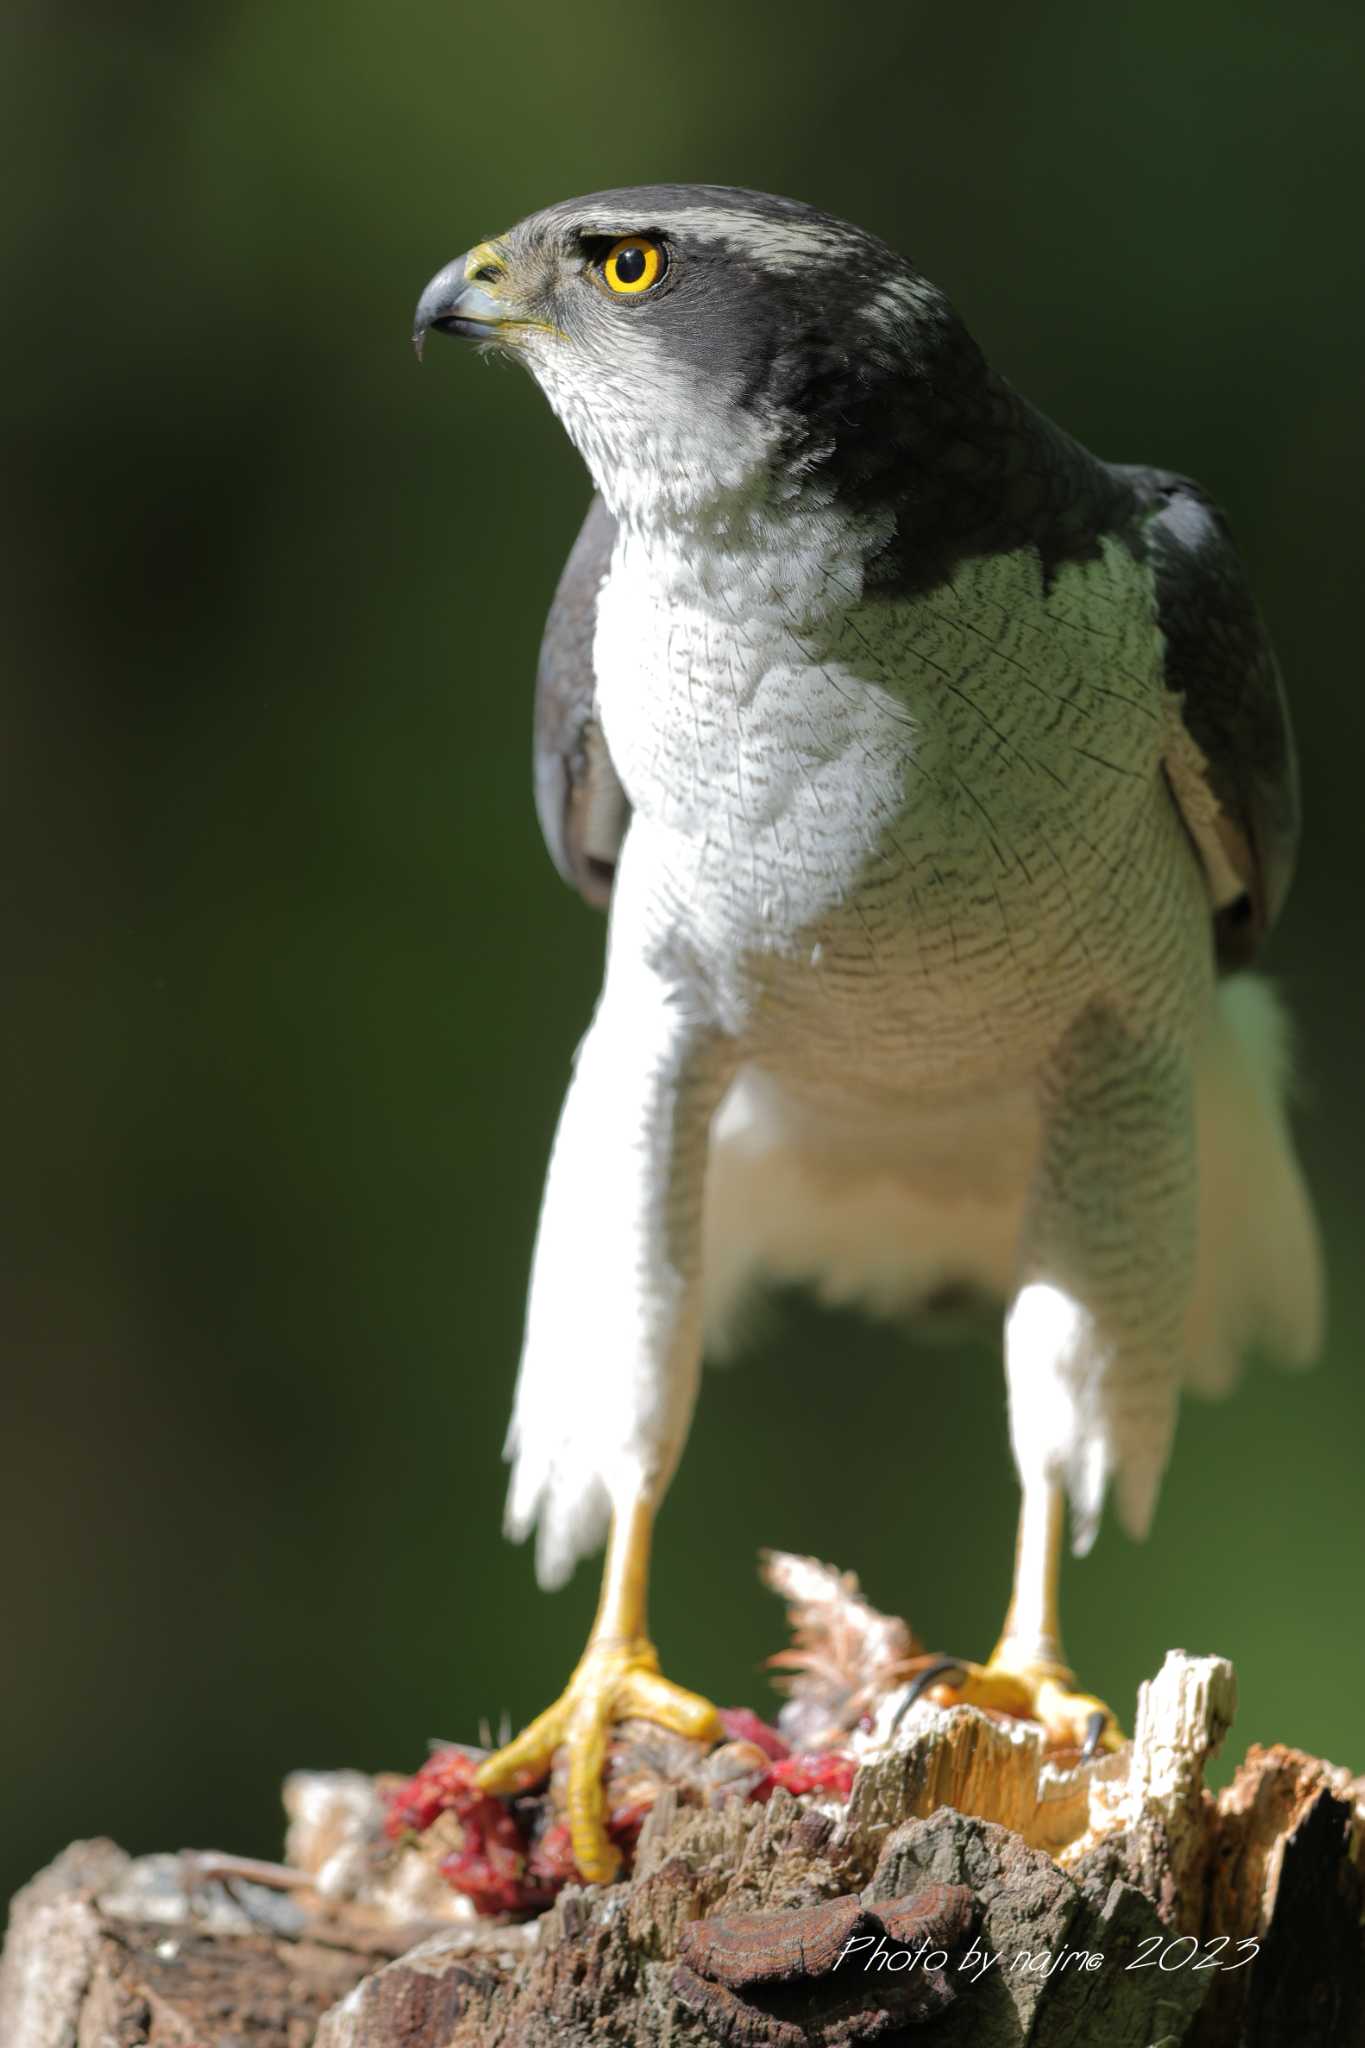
(630, 265)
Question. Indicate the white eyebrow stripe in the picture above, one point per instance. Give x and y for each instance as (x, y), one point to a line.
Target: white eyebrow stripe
(777, 244)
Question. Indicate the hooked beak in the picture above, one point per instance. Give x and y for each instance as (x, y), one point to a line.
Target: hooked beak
(453, 304)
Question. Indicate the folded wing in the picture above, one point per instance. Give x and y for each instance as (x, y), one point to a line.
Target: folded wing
(582, 808)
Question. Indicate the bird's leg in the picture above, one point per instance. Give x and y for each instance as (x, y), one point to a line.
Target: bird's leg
(612, 1354)
(1029, 1653)
(1093, 1339)
(1027, 1673)
(616, 1679)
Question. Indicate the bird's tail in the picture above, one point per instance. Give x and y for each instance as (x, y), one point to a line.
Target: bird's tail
(1258, 1280)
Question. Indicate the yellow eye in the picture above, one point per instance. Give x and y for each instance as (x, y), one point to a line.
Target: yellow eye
(633, 264)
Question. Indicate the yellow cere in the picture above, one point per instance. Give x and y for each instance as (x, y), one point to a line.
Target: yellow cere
(633, 264)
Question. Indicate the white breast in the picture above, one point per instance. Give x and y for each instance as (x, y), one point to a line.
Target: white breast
(927, 823)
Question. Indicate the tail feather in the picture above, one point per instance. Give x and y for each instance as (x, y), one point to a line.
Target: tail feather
(1259, 1279)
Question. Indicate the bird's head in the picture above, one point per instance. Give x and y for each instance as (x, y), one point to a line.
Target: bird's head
(704, 345)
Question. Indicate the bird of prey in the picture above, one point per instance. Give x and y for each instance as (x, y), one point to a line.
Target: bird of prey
(938, 780)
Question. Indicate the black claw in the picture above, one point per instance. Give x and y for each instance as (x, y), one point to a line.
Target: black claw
(1094, 1728)
(922, 1680)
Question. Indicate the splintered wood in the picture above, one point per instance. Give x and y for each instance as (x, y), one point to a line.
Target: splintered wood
(966, 1885)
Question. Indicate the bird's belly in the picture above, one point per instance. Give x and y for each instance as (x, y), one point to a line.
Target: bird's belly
(951, 952)
(944, 965)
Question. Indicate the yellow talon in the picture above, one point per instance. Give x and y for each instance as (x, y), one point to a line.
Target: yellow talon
(1036, 1691)
(616, 1679)
(613, 1681)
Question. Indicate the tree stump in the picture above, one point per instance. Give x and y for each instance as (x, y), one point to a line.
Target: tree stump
(967, 1891)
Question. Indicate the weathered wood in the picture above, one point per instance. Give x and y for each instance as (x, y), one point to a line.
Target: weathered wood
(103, 1952)
(1094, 1907)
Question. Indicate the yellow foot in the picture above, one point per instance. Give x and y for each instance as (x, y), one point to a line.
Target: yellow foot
(614, 1681)
(1028, 1689)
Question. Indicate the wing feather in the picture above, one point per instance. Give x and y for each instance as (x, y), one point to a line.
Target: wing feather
(582, 808)
(1233, 770)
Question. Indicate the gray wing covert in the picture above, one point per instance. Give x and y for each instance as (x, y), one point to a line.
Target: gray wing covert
(1239, 793)
(582, 807)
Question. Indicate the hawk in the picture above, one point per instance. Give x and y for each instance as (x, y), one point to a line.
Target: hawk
(939, 784)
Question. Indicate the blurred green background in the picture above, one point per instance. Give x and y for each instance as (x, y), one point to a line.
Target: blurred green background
(291, 987)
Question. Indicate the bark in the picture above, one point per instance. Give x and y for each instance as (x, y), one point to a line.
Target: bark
(969, 1891)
